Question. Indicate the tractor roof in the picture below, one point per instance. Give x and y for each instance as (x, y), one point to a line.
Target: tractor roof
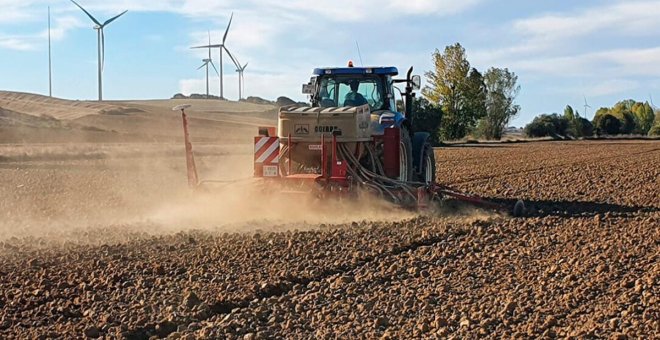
(388, 70)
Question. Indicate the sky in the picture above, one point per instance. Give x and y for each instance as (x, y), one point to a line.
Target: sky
(562, 51)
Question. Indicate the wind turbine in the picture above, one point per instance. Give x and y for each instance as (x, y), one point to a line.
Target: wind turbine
(240, 69)
(652, 105)
(241, 81)
(221, 47)
(586, 106)
(206, 63)
(101, 43)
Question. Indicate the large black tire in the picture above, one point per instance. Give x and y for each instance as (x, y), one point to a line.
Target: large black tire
(406, 157)
(427, 173)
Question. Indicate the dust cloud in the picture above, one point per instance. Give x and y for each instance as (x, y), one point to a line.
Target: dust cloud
(119, 192)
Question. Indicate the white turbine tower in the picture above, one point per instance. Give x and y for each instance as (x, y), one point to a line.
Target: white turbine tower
(206, 63)
(586, 106)
(240, 69)
(221, 47)
(50, 63)
(101, 43)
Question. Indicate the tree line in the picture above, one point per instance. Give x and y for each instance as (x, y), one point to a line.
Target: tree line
(625, 117)
(459, 100)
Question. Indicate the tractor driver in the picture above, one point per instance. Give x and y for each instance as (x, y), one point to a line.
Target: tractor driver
(354, 98)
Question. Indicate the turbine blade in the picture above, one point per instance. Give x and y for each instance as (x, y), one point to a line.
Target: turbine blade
(89, 15)
(216, 70)
(244, 66)
(651, 98)
(204, 64)
(114, 18)
(208, 46)
(231, 56)
(227, 30)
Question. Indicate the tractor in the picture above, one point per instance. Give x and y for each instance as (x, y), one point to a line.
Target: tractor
(354, 137)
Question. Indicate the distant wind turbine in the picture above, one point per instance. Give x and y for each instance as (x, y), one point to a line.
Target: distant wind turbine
(101, 43)
(221, 47)
(206, 63)
(652, 105)
(586, 106)
(240, 69)
(241, 81)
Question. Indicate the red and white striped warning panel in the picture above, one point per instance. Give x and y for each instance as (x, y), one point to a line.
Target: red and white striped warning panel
(266, 156)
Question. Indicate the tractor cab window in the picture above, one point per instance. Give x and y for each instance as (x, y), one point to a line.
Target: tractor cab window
(352, 91)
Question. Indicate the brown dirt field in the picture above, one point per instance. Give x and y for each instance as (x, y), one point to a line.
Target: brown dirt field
(30, 118)
(104, 240)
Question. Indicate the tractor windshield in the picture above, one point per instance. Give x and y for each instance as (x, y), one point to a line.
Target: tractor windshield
(352, 91)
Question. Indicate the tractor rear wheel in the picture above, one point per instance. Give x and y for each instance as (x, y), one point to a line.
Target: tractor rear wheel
(405, 157)
(427, 175)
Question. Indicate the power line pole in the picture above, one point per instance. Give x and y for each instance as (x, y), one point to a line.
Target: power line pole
(50, 64)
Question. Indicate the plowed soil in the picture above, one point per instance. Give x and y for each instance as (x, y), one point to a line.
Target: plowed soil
(112, 245)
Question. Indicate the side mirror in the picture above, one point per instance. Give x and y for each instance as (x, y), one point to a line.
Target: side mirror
(416, 82)
(309, 87)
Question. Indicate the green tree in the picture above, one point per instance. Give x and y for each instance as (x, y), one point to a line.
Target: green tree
(569, 113)
(427, 117)
(583, 127)
(598, 116)
(609, 124)
(451, 84)
(644, 116)
(623, 112)
(501, 92)
(655, 129)
(547, 125)
(475, 94)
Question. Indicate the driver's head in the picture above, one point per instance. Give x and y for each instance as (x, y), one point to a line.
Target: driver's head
(354, 85)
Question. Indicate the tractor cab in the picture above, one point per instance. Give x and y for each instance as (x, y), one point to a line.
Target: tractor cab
(357, 86)
(353, 86)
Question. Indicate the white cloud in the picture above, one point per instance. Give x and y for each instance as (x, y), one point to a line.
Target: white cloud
(15, 43)
(351, 10)
(15, 11)
(441, 7)
(29, 42)
(590, 47)
(615, 63)
(564, 34)
(611, 87)
(338, 10)
(60, 26)
(625, 18)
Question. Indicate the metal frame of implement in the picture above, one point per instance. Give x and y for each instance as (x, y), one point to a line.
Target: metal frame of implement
(339, 179)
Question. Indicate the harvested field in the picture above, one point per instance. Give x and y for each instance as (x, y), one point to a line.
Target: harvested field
(114, 246)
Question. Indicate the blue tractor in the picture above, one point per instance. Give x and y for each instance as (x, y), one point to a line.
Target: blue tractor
(355, 136)
(389, 106)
